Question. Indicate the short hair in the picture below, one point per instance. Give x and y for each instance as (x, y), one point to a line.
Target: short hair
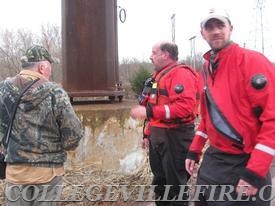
(171, 48)
(28, 65)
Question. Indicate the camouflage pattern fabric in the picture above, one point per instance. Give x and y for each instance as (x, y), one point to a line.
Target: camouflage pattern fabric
(37, 53)
(45, 125)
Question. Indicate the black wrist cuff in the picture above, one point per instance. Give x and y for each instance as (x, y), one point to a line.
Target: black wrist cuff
(149, 111)
(145, 136)
(193, 156)
(253, 178)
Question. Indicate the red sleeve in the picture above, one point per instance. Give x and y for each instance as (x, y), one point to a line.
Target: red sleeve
(264, 98)
(201, 135)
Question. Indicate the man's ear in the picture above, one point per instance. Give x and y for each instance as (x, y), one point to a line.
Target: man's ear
(167, 55)
(41, 68)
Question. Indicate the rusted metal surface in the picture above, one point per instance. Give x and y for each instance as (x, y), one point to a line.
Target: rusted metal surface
(90, 50)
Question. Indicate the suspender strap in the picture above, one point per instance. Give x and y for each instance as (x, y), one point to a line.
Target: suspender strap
(6, 137)
(219, 121)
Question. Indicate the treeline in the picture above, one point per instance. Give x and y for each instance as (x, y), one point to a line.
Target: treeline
(14, 43)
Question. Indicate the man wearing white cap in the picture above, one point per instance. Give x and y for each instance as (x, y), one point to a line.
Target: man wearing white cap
(238, 121)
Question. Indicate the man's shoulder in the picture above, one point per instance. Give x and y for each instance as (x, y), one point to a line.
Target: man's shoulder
(250, 56)
(241, 51)
(57, 92)
(183, 68)
(53, 87)
(7, 86)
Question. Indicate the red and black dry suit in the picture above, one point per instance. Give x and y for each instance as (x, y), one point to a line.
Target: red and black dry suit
(171, 111)
(242, 137)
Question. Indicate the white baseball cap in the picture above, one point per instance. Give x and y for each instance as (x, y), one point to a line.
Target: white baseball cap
(221, 15)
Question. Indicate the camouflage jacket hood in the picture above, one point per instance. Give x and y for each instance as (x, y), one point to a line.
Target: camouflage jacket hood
(45, 124)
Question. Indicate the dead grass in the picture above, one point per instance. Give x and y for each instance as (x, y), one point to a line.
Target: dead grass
(90, 175)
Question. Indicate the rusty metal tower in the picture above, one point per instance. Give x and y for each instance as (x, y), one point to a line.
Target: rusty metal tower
(90, 48)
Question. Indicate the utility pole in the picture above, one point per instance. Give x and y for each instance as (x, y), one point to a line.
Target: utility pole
(173, 20)
(260, 4)
(193, 52)
(259, 11)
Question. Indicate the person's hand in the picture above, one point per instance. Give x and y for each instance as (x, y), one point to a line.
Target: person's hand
(246, 188)
(145, 143)
(190, 166)
(138, 112)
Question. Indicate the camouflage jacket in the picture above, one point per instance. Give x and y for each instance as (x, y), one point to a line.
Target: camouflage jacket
(45, 124)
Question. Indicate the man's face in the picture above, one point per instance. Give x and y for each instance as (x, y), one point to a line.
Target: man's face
(158, 58)
(217, 33)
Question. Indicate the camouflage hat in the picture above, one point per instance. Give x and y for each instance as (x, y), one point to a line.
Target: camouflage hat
(37, 53)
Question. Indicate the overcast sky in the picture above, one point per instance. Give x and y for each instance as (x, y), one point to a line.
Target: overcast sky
(149, 21)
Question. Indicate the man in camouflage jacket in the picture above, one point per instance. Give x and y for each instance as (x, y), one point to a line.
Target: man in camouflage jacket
(44, 128)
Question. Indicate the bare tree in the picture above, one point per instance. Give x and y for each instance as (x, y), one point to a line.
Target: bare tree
(198, 61)
(12, 48)
(51, 40)
(13, 44)
(26, 38)
(51, 37)
(9, 52)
